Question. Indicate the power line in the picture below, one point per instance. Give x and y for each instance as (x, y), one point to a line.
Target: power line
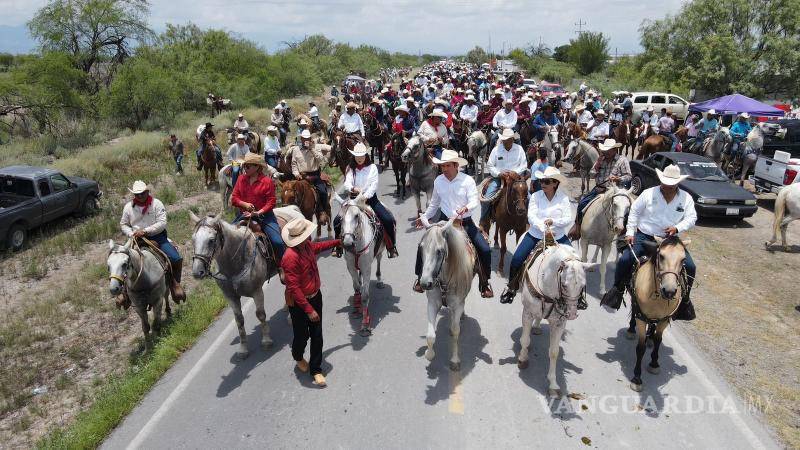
(580, 25)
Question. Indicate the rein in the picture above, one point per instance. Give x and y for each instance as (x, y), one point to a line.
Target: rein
(658, 275)
(558, 304)
(206, 259)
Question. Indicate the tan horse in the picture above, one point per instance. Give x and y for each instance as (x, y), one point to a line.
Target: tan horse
(656, 292)
(653, 144)
(303, 194)
(509, 212)
(623, 133)
(208, 159)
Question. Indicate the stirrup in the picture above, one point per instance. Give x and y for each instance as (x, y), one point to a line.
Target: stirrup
(507, 297)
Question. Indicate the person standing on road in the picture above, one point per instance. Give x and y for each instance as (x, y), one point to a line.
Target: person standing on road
(303, 294)
(176, 148)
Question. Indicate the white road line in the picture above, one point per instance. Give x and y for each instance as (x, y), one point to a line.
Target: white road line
(162, 410)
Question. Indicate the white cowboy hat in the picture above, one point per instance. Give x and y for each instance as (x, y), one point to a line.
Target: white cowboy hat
(485, 103)
(305, 134)
(525, 99)
(283, 100)
(278, 107)
(240, 136)
(712, 111)
(599, 112)
(580, 108)
(744, 115)
(498, 91)
(507, 134)
(401, 108)
(303, 122)
(438, 113)
(241, 115)
(450, 156)
(272, 128)
(671, 175)
(297, 231)
(550, 173)
(608, 144)
(651, 109)
(138, 187)
(470, 98)
(350, 105)
(359, 150)
(507, 102)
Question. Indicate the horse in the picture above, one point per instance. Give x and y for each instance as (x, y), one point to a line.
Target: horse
(448, 268)
(399, 167)
(527, 134)
(362, 239)
(552, 144)
(208, 160)
(509, 212)
(603, 220)
(583, 154)
(554, 283)
(622, 134)
(787, 209)
(654, 144)
(225, 188)
(714, 147)
(141, 274)
(422, 171)
(656, 292)
(375, 137)
(747, 156)
(302, 194)
(241, 269)
(476, 152)
(340, 150)
(643, 131)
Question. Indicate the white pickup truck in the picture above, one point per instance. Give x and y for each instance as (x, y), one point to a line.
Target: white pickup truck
(778, 164)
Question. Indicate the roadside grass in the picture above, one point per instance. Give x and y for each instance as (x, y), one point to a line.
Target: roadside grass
(119, 395)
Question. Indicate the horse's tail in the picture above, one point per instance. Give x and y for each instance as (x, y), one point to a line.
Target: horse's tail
(780, 211)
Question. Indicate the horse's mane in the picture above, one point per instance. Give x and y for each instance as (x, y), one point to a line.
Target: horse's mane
(458, 273)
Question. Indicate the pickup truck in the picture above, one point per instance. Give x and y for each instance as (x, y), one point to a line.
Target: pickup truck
(778, 164)
(32, 196)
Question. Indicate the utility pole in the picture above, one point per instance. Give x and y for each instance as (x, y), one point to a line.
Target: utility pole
(580, 23)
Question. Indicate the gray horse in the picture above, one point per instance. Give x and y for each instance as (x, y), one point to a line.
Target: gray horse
(713, 148)
(143, 278)
(476, 151)
(421, 171)
(583, 154)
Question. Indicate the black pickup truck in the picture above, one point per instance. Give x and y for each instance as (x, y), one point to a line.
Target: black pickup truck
(32, 196)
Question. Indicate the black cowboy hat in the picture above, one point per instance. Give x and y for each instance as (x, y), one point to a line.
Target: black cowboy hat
(209, 124)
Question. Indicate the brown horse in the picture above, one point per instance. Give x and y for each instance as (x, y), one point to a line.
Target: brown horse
(376, 136)
(509, 212)
(341, 144)
(208, 159)
(654, 144)
(622, 134)
(394, 152)
(303, 194)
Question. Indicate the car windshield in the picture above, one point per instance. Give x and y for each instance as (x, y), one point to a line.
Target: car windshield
(702, 170)
(551, 87)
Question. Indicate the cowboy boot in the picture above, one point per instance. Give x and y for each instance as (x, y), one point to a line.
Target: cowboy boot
(175, 289)
(393, 252)
(685, 309)
(507, 297)
(484, 286)
(613, 298)
(575, 232)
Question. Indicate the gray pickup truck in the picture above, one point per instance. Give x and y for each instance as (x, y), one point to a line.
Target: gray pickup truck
(32, 196)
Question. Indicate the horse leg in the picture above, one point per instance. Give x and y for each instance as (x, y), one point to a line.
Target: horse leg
(258, 299)
(653, 367)
(366, 272)
(418, 200)
(584, 249)
(235, 303)
(606, 250)
(434, 304)
(380, 284)
(142, 312)
(503, 237)
(641, 332)
(455, 330)
(557, 328)
(356, 277)
(525, 338)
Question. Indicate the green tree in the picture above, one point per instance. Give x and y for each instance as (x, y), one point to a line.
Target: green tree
(140, 91)
(561, 53)
(588, 52)
(477, 56)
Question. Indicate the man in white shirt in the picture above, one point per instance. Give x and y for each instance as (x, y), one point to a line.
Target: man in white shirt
(507, 94)
(469, 111)
(598, 130)
(272, 146)
(313, 114)
(236, 152)
(456, 195)
(351, 122)
(506, 157)
(241, 125)
(434, 133)
(504, 118)
(660, 211)
(584, 116)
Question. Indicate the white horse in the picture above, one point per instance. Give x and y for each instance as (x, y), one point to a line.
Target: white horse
(603, 221)
(362, 239)
(552, 144)
(143, 278)
(447, 272)
(583, 154)
(421, 171)
(554, 283)
(225, 182)
(787, 209)
(476, 151)
(750, 151)
(241, 269)
(713, 148)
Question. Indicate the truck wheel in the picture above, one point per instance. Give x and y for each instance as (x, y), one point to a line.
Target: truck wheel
(17, 237)
(89, 206)
(636, 185)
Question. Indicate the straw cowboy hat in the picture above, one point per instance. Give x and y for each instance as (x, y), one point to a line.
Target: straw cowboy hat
(297, 231)
(305, 134)
(438, 113)
(550, 173)
(608, 144)
(351, 105)
(359, 150)
(525, 99)
(240, 136)
(138, 187)
(580, 108)
(507, 134)
(241, 115)
(450, 156)
(272, 128)
(599, 112)
(254, 158)
(671, 175)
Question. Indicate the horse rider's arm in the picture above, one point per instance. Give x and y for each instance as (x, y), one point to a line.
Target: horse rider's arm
(689, 213)
(340, 123)
(491, 163)
(125, 221)
(349, 181)
(322, 153)
(624, 170)
(372, 182)
(637, 209)
(522, 162)
(161, 219)
(296, 157)
(494, 120)
(473, 202)
(533, 214)
(433, 205)
(565, 218)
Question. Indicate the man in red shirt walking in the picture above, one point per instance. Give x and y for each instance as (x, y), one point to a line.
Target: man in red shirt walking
(303, 295)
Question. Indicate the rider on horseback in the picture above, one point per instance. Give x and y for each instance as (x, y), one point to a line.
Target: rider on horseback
(504, 118)
(361, 180)
(660, 211)
(240, 126)
(739, 131)
(277, 121)
(666, 127)
(403, 122)
(313, 114)
(206, 137)
(235, 154)
(598, 129)
(351, 123)
(507, 157)
(469, 112)
(434, 133)
(544, 121)
(272, 146)
(307, 162)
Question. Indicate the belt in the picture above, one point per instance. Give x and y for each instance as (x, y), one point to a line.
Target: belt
(309, 297)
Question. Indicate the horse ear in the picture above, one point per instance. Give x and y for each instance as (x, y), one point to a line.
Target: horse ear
(110, 244)
(193, 219)
(686, 242)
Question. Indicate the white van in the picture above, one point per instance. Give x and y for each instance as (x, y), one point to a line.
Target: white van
(658, 100)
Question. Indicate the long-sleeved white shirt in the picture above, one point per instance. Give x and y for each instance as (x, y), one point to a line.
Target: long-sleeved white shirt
(502, 160)
(351, 123)
(428, 133)
(600, 131)
(558, 210)
(469, 113)
(236, 152)
(241, 124)
(585, 117)
(272, 145)
(505, 119)
(449, 196)
(651, 214)
(153, 222)
(365, 179)
(313, 112)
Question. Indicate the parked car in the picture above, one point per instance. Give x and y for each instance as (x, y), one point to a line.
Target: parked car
(713, 192)
(551, 88)
(530, 82)
(658, 100)
(32, 196)
(779, 162)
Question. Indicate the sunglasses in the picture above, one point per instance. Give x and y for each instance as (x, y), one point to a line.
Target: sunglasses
(548, 181)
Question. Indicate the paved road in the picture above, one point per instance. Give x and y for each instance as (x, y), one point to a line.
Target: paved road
(383, 393)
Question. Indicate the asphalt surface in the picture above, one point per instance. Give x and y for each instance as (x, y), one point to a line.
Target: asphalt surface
(383, 393)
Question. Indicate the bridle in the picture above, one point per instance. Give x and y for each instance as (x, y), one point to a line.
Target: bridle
(509, 194)
(610, 216)
(559, 303)
(206, 259)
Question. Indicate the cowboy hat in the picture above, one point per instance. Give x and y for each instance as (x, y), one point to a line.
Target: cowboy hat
(438, 113)
(671, 175)
(525, 99)
(297, 231)
(401, 108)
(608, 144)
(241, 115)
(450, 156)
(279, 107)
(550, 173)
(507, 102)
(580, 108)
(470, 98)
(305, 134)
(375, 100)
(350, 105)
(486, 103)
(272, 128)
(138, 187)
(240, 136)
(744, 115)
(254, 158)
(359, 150)
(712, 111)
(650, 108)
(498, 92)
(507, 134)
(209, 125)
(600, 112)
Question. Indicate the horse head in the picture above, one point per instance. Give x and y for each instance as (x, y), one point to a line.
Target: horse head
(289, 193)
(621, 201)
(413, 149)
(353, 226)
(670, 254)
(434, 249)
(207, 238)
(119, 266)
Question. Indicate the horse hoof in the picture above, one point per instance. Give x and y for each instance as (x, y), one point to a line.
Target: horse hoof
(364, 332)
(522, 365)
(429, 355)
(381, 285)
(636, 386)
(554, 393)
(654, 370)
(537, 330)
(630, 335)
(455, 366)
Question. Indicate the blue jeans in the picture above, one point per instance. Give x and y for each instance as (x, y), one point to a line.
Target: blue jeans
(585, 201)
(477, 239)
(622, 275)
(166, 246)
(524, 250)
(437, 151)
(269, 225)
(235, 174)
(386, 219)
(178, 163)
(272, 160)
(492, 187)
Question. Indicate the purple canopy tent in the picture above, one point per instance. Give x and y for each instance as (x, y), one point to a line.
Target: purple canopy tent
(731, 105)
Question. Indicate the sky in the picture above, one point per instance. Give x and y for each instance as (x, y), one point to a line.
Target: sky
(444, 27)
